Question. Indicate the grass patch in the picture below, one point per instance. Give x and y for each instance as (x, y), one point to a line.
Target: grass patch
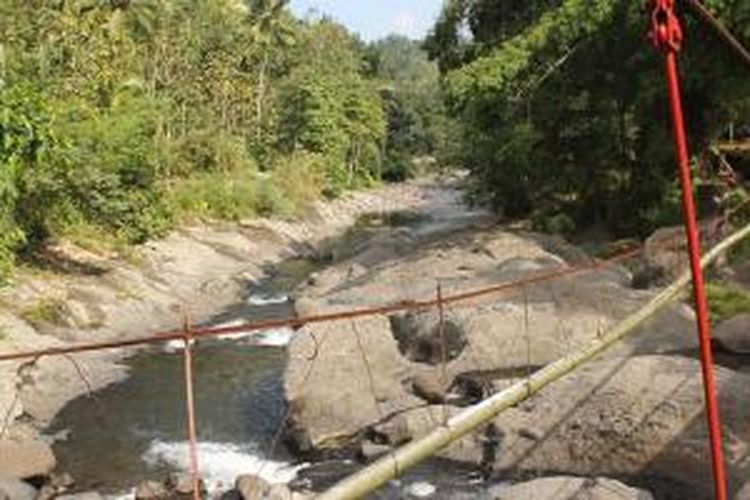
(100, 241)
(48, 310)
(726, 301)
(214, 196)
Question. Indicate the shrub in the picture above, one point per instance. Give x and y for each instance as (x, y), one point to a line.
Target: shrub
(299, 178)
(726, 301)
(215, 196)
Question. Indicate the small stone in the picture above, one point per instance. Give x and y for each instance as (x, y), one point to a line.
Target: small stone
(429, 387)
(253, 487)
(181, 484)
(369, 450)
(62, 481)
(48, 492)
(421, 490)
(150, 490)
(531, 433)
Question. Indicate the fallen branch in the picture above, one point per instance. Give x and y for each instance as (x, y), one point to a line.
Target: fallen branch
(393, 465)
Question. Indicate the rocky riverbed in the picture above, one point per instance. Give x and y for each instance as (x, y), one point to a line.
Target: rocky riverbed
(356, 389)
(366, 386)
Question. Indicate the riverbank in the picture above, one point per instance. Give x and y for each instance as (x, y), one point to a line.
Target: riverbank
(199, 270)
(356, 389)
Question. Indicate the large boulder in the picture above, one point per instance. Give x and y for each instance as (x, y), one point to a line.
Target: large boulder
(640, 416)
(25, 460)
(570, 488)
(344, 377)
(734, 334)
(331, 393)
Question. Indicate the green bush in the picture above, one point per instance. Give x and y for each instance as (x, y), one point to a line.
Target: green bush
(215, 196)
(726, 301)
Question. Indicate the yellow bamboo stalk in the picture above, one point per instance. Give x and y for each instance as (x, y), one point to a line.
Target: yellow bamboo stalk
(396, 463)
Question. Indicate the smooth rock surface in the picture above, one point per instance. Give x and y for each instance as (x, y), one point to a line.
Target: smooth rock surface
(570, 488)
(638, 416)
(734, 334)
(256, 488)
(151, 490)
(24, 460)
(348, 376)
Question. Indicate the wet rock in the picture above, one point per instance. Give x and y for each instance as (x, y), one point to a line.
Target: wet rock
(420, 490)
(62, 481)
(430, 387)
(370, 451)
(395, 431)
(151, 490)
(25, 460)
(734, 334)
(570, 488)
(14, 489)
(182, 484)
(256, 488)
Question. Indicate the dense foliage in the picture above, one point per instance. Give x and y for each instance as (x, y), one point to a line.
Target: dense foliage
(563, 106)
(119, 118)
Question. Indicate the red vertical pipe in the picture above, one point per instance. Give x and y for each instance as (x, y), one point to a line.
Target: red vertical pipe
(699, 288)
(190, 404)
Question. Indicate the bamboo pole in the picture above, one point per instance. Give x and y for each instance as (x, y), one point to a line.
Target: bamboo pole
(394, 464)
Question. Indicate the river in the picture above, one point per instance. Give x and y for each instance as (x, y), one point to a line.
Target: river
(135, 430)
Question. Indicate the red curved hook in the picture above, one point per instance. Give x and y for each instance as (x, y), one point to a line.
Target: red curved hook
(666, 31)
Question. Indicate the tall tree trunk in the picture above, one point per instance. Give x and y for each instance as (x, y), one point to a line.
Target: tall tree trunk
(261, 94)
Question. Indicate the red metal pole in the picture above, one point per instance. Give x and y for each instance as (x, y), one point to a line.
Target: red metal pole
(190, 406)
(667, 35)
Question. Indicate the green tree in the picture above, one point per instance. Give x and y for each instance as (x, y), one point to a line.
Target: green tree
(563, 108)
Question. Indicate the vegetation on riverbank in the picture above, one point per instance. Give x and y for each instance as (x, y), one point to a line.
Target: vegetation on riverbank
(563, 110)
(124, 118)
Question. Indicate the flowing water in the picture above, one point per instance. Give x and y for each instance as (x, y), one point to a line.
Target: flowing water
(134, 430)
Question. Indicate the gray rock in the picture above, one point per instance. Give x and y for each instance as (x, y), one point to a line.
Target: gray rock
(47, 492)
(734, 334)
(182, 484)
(63, 480)
(88, 495)
(24, 460)
(570, 488)
(395, 431)
(616, 418)
(253, 487)
(14, 489)
(370, 451)
(151, 490)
